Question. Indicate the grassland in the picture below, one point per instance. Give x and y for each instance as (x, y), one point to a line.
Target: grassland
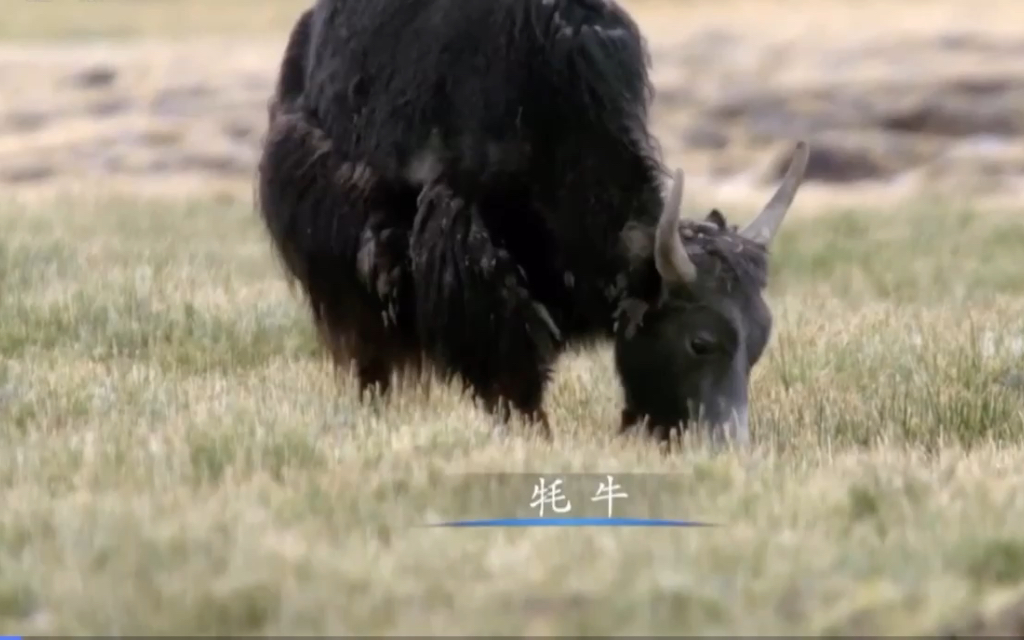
(176, 456)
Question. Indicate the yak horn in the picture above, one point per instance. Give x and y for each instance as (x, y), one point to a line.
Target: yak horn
(764, 227)
(674, 266)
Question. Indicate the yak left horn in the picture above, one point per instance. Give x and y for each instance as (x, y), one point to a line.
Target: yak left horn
(670, 257)
(763, 228)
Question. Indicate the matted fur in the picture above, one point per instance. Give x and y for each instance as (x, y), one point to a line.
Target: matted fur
(451, 183)
(450, 179)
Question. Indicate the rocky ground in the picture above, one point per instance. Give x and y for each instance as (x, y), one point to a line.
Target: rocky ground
(937, 108)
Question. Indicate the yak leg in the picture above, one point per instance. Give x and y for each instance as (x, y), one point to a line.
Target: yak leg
(524, 395)
(358, 322)
(628, 420)
(386, 330)
(475, 313)
(338, 229)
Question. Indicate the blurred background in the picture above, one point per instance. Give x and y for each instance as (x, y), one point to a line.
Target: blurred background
(898, 96)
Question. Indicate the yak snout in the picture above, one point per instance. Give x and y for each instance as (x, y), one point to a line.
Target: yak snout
(722, 413)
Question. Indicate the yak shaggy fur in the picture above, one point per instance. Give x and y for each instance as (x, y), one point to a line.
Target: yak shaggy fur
(449, 181)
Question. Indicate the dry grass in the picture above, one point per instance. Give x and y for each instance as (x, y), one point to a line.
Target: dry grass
(176, 458)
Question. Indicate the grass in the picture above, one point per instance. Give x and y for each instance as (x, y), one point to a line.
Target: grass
(175, 456)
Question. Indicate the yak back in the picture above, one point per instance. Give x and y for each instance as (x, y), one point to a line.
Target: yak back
(291, 76)
(540, 103)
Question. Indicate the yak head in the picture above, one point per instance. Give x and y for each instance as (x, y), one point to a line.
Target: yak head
(694, 322)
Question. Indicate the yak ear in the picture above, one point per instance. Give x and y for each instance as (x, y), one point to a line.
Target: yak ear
(717, 218)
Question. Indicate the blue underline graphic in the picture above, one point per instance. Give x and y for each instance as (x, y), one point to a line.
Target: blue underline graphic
(571, 522)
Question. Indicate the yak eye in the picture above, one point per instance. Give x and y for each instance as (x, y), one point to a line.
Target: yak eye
(703, 344)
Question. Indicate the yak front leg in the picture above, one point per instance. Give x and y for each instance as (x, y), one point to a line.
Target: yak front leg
(475, 312)
(337, 228)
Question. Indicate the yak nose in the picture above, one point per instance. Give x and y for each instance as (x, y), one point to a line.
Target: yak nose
(725, 422)
(737, 427)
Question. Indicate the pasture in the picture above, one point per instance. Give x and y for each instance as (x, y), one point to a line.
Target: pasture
(177, 457)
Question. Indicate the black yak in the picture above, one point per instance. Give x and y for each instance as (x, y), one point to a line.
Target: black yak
(472, 185)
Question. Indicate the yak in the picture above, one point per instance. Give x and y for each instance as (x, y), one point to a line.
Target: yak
(473, 186)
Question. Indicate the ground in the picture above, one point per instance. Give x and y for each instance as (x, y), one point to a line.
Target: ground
(177, 457)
